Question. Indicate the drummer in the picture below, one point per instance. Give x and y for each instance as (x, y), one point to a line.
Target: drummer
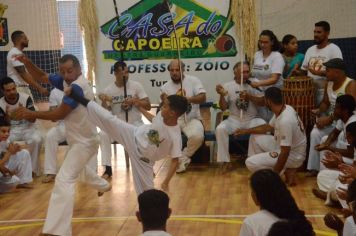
(337, 84)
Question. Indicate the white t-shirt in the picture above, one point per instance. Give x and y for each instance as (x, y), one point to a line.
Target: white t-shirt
(315, 57)
(263, 68)
(11, 64)
(157, 140)
(258, 224)
(155, 233)
(349, 227)
(55, 99)
(289, 131)
(134, 89)
(78, 127)
(341, 126)
(235, 104)
(192, 87)
(17, 126)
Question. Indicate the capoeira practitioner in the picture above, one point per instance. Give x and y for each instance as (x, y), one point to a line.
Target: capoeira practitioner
(81, 136)
(191, 125)
(230, 99)
(15, 162)
(21, 130)
(336, 142)
(113, 99)
(337, 83)
(147, 143)
(283, 151)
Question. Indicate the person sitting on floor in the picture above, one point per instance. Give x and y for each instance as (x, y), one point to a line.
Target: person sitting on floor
(15, 162)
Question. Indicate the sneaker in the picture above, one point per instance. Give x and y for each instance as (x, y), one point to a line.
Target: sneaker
(183, 164)
(48, 178)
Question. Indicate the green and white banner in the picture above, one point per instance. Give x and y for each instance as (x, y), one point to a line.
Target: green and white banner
(151, 32)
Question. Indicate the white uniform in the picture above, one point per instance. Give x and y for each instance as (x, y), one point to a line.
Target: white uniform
(82, 138)
(315, 57)
(349, 227)
(328, 179)
(22, 86)
(258, 224)
(317, 134)
(54, 136)
(23, 130)
(192, 127)
(262, 69)
(134, 89)
(145, 144)
(228, 126)
(288, 131)
(20, 164)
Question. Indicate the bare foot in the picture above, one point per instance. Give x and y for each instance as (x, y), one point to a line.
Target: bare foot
(291, 175)
(319, 194)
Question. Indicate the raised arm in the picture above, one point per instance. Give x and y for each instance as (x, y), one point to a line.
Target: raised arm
(35, 73)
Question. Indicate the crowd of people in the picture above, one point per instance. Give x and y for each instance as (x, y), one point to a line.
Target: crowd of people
(277, 137)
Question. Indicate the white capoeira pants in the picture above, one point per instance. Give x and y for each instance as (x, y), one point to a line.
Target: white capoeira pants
(54, 136)
(260, 151)
(60, 209)
(227, 127)
(328, 181)
(124, 134)
(20, 164)
(105, 146)
(194, 130)
(315, 138)
(33, 139)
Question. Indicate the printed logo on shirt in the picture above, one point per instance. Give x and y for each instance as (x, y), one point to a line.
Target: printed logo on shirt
(266, 67)
(119, 99)
(273, 154)
(241, 104)
(153, 137)
(316, 63)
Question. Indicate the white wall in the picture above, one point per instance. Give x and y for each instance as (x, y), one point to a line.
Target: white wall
(37, 18)
(298, 17)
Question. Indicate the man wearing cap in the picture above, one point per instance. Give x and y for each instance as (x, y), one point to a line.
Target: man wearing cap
(316, 55)
(337, 84)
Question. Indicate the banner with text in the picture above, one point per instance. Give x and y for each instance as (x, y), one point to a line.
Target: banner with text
(151, 32)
